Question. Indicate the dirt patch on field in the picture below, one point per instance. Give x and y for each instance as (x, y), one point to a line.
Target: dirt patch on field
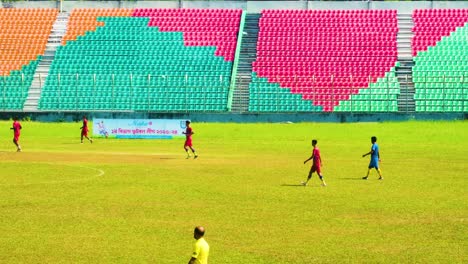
(101, 158)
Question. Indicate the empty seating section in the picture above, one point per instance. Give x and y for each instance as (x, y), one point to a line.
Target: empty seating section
(173, 59)
(325, 55)
(14, 87)
(201, 27)
(23, 38)
(380, 96)
(440, 72)
(431, 25)
(84, 19)
(125, 64)
(270, 97)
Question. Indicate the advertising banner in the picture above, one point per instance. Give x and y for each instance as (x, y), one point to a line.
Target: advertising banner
(138, 128)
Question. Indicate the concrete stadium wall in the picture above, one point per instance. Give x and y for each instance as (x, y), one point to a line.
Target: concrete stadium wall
(450, 4)
(32, 4)
(150, 4)
(257, 6)
(69, 5)
(237, 118)
(338, 5)
(406, 8)
(215, 4)
(249, 6)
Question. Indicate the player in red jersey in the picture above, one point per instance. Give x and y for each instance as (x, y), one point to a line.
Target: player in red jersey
(316, 164)
(84, 130)
(16, 133)
(188, 140)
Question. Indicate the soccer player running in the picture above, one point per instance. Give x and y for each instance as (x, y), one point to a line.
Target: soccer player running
(374, 160)
(84, 130)
(16, 133)
(188, 140)
(316, 164)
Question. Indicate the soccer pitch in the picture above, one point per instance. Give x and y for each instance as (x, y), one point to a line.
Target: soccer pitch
(137, 201)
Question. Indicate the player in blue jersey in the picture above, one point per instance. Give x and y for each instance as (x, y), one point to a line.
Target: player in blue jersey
(375, 158)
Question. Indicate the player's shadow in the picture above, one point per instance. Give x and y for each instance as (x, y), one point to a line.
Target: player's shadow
(292, 185)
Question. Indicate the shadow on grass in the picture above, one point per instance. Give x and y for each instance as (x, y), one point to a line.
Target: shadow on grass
(292, 185)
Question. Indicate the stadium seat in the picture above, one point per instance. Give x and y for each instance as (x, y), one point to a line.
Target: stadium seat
(439, 73)
(322, 52)
(24, 35)
(162, 59)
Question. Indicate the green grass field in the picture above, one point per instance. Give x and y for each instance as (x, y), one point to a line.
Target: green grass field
(137, 201)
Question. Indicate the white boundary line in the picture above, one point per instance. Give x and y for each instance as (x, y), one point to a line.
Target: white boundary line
(100, 173)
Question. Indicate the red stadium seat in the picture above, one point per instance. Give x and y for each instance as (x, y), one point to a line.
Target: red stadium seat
(295, 44)
(430, 25)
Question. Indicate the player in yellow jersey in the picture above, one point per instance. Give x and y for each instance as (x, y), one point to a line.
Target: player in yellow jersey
(201, 248)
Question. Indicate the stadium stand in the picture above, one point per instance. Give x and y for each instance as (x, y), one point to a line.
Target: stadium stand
(172, 59)
(82, 20)
(178, 60)
(325, 60)
(440, 50)
(23, 39)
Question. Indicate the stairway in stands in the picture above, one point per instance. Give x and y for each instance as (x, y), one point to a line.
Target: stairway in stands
(55, 38)
(404, 69)
(248, 54)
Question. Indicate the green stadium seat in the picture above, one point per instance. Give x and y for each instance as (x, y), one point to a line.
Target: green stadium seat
(438, 75)
(116, 60)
